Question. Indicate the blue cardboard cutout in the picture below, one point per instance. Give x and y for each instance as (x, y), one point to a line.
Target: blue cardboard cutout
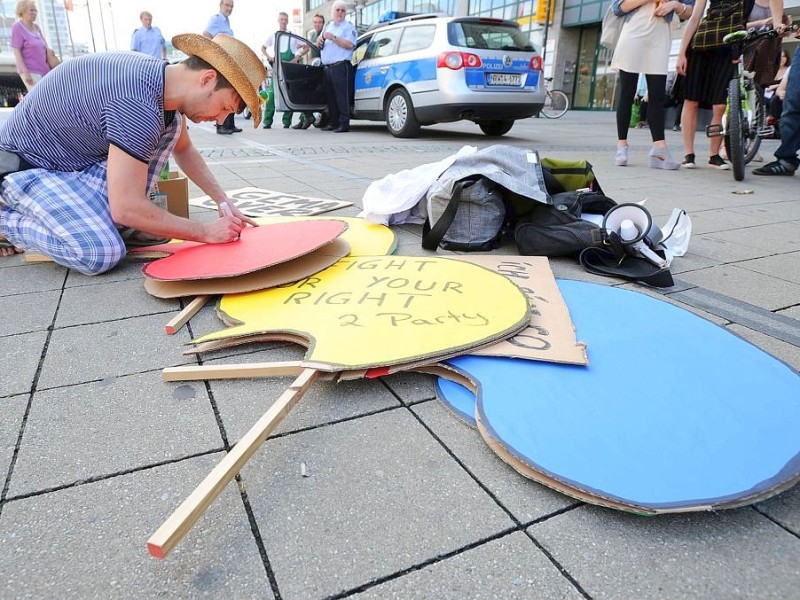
(673, 413)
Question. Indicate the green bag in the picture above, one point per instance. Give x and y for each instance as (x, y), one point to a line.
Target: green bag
(568, 175)
(636, 113)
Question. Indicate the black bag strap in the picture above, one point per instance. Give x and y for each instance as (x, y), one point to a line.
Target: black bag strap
(611, 260)
(432, 236)
(551, 184)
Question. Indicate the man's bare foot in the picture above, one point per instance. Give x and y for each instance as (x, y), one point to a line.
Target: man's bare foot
(7, 248)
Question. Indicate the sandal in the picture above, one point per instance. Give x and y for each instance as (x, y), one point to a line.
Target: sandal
(134, 238)
(6, 245)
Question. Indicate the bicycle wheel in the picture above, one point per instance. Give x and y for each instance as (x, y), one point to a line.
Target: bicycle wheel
(756, 124)
(556, 104)
(736, 130)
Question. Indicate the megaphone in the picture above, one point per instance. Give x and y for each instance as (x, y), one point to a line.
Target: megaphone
(636, 230)
(639, 217)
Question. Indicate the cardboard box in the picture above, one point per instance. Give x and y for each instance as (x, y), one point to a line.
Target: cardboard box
(177, 190)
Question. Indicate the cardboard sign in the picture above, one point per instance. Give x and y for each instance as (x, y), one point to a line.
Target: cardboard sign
(374, 311)
(258, 248)
(262, 279)
(673, 414)
(550, 335)
(364, 238)
(257, 202)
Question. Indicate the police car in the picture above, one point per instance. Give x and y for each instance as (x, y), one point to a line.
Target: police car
(427, 69)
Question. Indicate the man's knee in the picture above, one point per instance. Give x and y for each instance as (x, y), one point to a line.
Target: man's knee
(99, 260)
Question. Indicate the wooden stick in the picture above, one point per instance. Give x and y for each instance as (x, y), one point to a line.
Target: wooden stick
(187, 313)
(249, 370)
(35, 257)
(187, 514)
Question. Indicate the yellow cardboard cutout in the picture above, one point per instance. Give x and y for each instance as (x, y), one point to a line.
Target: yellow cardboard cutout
(365, 312)
(365, 238)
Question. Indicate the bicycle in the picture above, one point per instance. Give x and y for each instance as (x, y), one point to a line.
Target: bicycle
(556, 102)
(742, 124)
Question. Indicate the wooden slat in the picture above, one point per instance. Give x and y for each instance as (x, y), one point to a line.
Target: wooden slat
(180, 522)
(187, 313)
(35, 257)
(250, 370)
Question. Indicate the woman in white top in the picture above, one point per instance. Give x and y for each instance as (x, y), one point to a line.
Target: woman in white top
(643, 47)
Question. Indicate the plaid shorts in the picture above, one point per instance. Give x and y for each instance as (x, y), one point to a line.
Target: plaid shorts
(63, 215)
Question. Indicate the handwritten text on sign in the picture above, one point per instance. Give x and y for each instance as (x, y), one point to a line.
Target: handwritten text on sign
(376, 311)
(550, 335)
(256, 202)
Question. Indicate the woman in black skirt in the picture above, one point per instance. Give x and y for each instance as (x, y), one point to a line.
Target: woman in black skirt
(708, 72)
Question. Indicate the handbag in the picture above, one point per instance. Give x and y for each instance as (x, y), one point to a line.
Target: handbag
(52, 59)
(611, 28)
(720, 20)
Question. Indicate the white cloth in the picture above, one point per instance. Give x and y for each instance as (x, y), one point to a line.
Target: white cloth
(644, 43)
(400, 197)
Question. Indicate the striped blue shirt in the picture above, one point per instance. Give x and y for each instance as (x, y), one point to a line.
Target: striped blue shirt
(70, 117)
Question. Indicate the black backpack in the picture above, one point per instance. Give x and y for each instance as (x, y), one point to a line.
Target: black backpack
(557, 229)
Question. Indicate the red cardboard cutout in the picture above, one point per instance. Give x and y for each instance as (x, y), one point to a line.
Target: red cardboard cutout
(258, 248)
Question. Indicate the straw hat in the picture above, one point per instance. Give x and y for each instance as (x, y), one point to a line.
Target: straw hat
(235, 62)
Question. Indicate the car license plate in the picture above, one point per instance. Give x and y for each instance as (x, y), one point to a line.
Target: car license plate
(503, 79)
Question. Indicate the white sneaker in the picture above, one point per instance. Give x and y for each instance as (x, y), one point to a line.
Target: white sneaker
(621, 157)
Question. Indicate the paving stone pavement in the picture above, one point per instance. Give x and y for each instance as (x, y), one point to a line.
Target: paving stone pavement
(400, 499)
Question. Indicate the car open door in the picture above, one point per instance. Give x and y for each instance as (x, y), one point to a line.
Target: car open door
(299, 82)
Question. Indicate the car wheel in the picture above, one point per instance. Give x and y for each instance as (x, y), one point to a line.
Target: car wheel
(496, 127)
(400, 117)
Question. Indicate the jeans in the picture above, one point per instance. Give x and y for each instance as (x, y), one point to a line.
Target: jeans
(790, 117)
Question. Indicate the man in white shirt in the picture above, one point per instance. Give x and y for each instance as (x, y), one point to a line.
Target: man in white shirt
(287, 52)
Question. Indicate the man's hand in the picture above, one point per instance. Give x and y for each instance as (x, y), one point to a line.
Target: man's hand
(225, 229)
(229, 208)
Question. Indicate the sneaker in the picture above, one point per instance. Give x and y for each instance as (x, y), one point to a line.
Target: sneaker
(688, 162)
(778, 167)
(621, 157)
(716, 162)
(676, 128)
(660, 158)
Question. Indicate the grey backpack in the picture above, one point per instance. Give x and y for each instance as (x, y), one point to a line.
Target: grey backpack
(468, 216)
